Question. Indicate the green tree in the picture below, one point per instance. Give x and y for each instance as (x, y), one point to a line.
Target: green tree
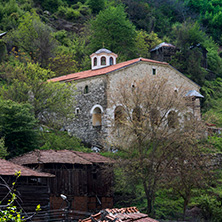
(111, 29)
(35, 38)
(52, 103)
(3, 149)
(145, 42)
(17, 127)
(96, 5)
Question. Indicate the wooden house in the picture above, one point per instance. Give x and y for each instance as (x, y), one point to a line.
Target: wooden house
(31, 186)
(85, 178)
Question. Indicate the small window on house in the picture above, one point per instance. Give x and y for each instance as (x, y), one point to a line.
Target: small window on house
(154, 117)
(172, 119)
(119, 115)
(103, 60)
(137, 114)
(77, 111)
(86, 89)
(97, 117)
(111, 60)
(95, 62)
(154, 71)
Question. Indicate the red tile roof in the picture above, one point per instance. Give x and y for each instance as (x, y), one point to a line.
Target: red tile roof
(102, 71)
(8, 168)
(128, 214)
(59, 156)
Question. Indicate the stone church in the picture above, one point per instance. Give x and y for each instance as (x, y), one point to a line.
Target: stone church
(93, 110)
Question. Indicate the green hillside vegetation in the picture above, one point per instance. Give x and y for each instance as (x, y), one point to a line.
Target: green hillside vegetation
(55, 37)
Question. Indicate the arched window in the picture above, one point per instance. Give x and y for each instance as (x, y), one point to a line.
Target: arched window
(103, 60)
(119, 115)
(172, 119)
(97, 117)
(137, 114)
(111, 60)
(86, 89)
(95, 62)
(154, 117)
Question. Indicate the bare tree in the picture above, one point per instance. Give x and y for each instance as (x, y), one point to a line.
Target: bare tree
(151, 124)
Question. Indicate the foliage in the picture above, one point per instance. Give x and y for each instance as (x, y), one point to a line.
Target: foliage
(3, 149)
(96, 5)
(35, 38)
(145, 42)
(118, 35)
(17, 127)
(57, 140)
(52, 102)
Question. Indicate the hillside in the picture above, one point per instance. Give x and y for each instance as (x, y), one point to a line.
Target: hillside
(51, 38)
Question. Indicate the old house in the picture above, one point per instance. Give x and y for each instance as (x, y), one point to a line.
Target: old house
(31, 187)
(84, 178)
(119, 215)
(163, 52)
(93, 110)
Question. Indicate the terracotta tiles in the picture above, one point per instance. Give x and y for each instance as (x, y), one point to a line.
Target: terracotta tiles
(59, 156)
(8, 168)
(102, 71)
(129, 214)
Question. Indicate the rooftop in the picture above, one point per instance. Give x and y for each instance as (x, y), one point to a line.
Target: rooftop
(128, 214)
(60, 156)
(10, 169)
(103, 50)
(102, 71)
(163, 44)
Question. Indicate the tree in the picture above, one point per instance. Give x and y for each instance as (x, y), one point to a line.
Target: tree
(150, 128)
(35, 38)
(52, 102)
(17, 127)
(96, 5)
(111, 29)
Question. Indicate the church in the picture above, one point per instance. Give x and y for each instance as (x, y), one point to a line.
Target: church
(93, 110)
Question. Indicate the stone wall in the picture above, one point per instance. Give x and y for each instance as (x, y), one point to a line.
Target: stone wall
(82, 126)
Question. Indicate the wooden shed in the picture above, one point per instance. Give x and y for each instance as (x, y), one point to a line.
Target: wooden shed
(85, 178)
(31, 187)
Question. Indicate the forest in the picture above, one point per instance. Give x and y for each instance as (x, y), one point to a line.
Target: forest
(50, 38)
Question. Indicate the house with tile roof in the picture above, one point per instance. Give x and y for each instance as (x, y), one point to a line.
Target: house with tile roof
(31, 187)
(128, 214)
(86, 179)
(93, 109)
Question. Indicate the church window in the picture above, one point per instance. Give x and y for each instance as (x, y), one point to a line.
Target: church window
(119, 115)
(154, 117)
(154, 71)
(95, 62)
(172, 119)
(103, 60)
(137, 114)
(86, 89)
(111, 60)
(97, 117)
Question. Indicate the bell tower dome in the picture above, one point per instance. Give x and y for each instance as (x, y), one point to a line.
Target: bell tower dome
(103, 58)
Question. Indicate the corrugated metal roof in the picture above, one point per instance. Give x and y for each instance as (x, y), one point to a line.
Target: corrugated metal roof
(60, 156)
(194, 93)
(163, 44)
(2, 34)
(102, 71)
(8, 168)
(119, 215)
